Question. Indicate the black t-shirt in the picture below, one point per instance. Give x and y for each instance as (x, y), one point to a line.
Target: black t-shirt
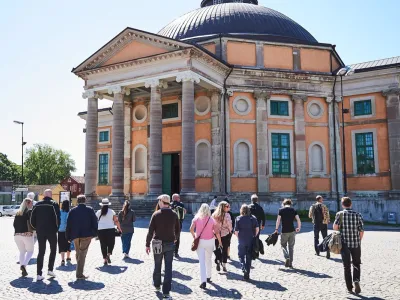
(178, 207)
(288, 214)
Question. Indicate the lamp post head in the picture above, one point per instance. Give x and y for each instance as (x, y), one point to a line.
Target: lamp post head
(344, 71)
(19, 122)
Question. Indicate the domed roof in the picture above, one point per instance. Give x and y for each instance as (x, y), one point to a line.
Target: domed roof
(237, 19)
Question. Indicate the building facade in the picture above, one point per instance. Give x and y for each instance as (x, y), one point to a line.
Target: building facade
(74, 184)
(236, 98)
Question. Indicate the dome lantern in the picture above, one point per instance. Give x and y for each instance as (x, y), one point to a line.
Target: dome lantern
(205, 3)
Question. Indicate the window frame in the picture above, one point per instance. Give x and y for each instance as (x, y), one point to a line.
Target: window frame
(290, 108)
(354, 150)
(99, 168)
(291, 153)
(278, 108)
(99, 135)
(178, 118)
(353, 102)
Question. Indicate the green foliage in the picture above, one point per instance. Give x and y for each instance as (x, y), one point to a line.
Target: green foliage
(46, 165)
(9, 170)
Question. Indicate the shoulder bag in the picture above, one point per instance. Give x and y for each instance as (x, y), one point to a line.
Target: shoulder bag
(335, 243)
(196, 241)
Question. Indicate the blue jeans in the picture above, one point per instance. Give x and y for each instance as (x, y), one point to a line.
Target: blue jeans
(126, 239)
(168, 255)
(245, 256)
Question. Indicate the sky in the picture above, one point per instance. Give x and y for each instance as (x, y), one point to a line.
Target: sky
(43, 40)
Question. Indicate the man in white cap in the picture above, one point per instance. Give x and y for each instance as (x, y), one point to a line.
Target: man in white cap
(31, 195)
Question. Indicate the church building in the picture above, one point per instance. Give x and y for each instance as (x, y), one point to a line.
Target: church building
(235, 98)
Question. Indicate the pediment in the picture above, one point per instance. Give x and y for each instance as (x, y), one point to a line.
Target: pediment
(129, 45)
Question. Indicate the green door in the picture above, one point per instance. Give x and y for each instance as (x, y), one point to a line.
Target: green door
(166, 173)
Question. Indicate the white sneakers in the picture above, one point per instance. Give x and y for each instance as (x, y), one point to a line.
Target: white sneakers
(39, 278)
(51, 274)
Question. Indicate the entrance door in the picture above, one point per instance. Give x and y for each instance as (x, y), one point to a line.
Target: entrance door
(171, 173)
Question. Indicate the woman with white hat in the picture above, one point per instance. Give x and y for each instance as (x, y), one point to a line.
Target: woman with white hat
(107, 220)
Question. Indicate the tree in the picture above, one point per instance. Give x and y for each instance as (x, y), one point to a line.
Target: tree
(9, 170)
(46, 165)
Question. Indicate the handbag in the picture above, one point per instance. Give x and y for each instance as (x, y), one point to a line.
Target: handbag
(117, 232)
(196, 241)
(335, 243)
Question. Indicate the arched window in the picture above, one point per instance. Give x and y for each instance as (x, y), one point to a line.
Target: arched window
(317, 159)
(139, 161)
(243, 162)
(203, 158)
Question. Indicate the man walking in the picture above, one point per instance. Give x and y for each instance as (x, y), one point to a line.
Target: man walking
(287, 215)
(319, 214)
(180, 210)
(81, 228)
(351, 226)
(258, 212)
(163, 231)
(45, 219)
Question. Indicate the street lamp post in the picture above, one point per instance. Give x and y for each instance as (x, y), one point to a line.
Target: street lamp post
(22, 155)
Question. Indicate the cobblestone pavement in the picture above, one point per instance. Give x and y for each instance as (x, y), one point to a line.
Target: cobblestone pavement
(313, 277)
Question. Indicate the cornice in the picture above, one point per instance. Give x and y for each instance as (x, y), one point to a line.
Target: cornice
(91, 94)
(299, 97)
(262, 94)
(393, 91)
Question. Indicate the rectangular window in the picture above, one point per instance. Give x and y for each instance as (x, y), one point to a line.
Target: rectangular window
(103, 169)
(280, 153)
(365, 153)
(170, 111)
(362, 108)
(279, 108)
(104, 136)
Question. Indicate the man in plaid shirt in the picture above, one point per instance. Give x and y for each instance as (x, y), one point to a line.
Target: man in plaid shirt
(351, 225)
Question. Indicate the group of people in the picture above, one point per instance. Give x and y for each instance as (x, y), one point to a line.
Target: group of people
(212, 225)
(69, 229)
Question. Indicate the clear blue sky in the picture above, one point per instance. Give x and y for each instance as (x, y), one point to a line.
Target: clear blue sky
(42, 40)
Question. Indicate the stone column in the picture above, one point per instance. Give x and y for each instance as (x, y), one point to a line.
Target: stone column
(127, 148)
(260, 54)
(118, 145)
(393, 119)
(216, 133)
(91, 144)
(300, 143)
(334, 138)
(262, 141)
(155, 153)
(188, 132)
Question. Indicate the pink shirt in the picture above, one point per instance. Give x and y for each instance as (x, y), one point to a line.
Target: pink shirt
(208, 232)
(226, 226)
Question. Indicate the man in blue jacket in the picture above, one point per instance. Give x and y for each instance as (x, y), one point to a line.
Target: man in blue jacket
(81, 228)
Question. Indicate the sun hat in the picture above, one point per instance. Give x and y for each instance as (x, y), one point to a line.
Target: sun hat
(105, 201)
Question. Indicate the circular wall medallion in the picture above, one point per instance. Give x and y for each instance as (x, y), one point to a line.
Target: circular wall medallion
(315, 109)
(202, 105)
(140, 113)
(242, 105)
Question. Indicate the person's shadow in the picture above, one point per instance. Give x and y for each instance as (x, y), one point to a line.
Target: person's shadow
(32, 261)
(270, 262)
(113, 270)
(265, 285)
(221, 292)
(86, 285)
(180, 276)
(133, 261)
(40, 287)
(180, 288)
(22, 282)
(67, 268)
(305, 273)
(188, 260)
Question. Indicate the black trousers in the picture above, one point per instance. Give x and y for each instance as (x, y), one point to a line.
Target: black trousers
(349, 256)
(178, 239)
(222, 256)
(323, 228)
(107, 241)
(42, 239)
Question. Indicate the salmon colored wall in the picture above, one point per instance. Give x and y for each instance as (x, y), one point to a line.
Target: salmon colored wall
(282, 184)
(324, 118)
(251, 115)
(172, 139)
(139, 137)
(369, 183)
(243, 184)
(335, 64)
(243, 54)
(139, 186)
(243, 131)
(203, 185)
(318, 184)
(315, 60)
(203, 131)
(133, 51)
(278, 57)
(318, 134)
(110, 135)
(380, 106)
(210, 47)
(103, 190)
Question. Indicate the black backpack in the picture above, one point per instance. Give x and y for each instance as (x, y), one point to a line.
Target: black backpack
(318, 214)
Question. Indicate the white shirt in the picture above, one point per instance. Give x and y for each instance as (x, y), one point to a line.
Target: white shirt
(107, 221)
(213, 204)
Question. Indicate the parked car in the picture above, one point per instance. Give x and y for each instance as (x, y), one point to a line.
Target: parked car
(1, 210)
(10, 210)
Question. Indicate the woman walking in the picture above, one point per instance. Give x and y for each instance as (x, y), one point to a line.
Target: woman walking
(107, 220)
(246, 229)
(126, 217)
(23, 234)
(63, 245)
(224, 222)
(206, 228)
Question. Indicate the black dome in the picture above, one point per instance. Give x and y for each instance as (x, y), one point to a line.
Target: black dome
(238, 19)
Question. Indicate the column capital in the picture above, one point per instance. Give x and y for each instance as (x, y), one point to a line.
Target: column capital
(338, 99)
(118, 89)
(329, 99)
(229, 92)
(214, 92)
(262, 94)
(188, 76)
(91, 94)
(392, 91)
(299, 97)
(155, 82)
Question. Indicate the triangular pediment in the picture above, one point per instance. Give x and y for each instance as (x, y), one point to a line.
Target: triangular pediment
(129, 45)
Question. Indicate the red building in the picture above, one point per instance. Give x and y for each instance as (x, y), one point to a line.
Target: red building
(74, 184)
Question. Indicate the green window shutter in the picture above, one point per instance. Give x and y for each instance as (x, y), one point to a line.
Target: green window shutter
(103, 169)
(279, 108)
(170, 111)
(104, 136)
(362, 108)
(280, 153)
(365, 153)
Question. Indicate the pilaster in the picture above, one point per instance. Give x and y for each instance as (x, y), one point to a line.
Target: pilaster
(300, 143)
(216, 141)
(127, 148)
